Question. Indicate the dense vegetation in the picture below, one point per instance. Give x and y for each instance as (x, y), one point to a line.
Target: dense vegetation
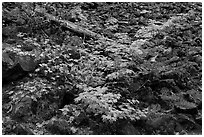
(102, 68)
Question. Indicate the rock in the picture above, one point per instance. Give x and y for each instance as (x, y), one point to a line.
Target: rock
(58, 126)
(183, 106)
(27, 63)
(16, 62)
(12, 74)
(22, 109)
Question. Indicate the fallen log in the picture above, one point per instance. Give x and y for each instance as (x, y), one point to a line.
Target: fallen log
(71, 26)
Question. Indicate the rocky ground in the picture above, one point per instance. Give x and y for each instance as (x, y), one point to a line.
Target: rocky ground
(102, 68)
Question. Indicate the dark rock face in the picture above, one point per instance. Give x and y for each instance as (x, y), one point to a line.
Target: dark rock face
(12, 74)
(16, 63)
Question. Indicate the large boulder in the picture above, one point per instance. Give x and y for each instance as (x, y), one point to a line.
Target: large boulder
(17, 62)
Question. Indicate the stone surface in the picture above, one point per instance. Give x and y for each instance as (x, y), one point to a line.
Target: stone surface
(16, 63)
